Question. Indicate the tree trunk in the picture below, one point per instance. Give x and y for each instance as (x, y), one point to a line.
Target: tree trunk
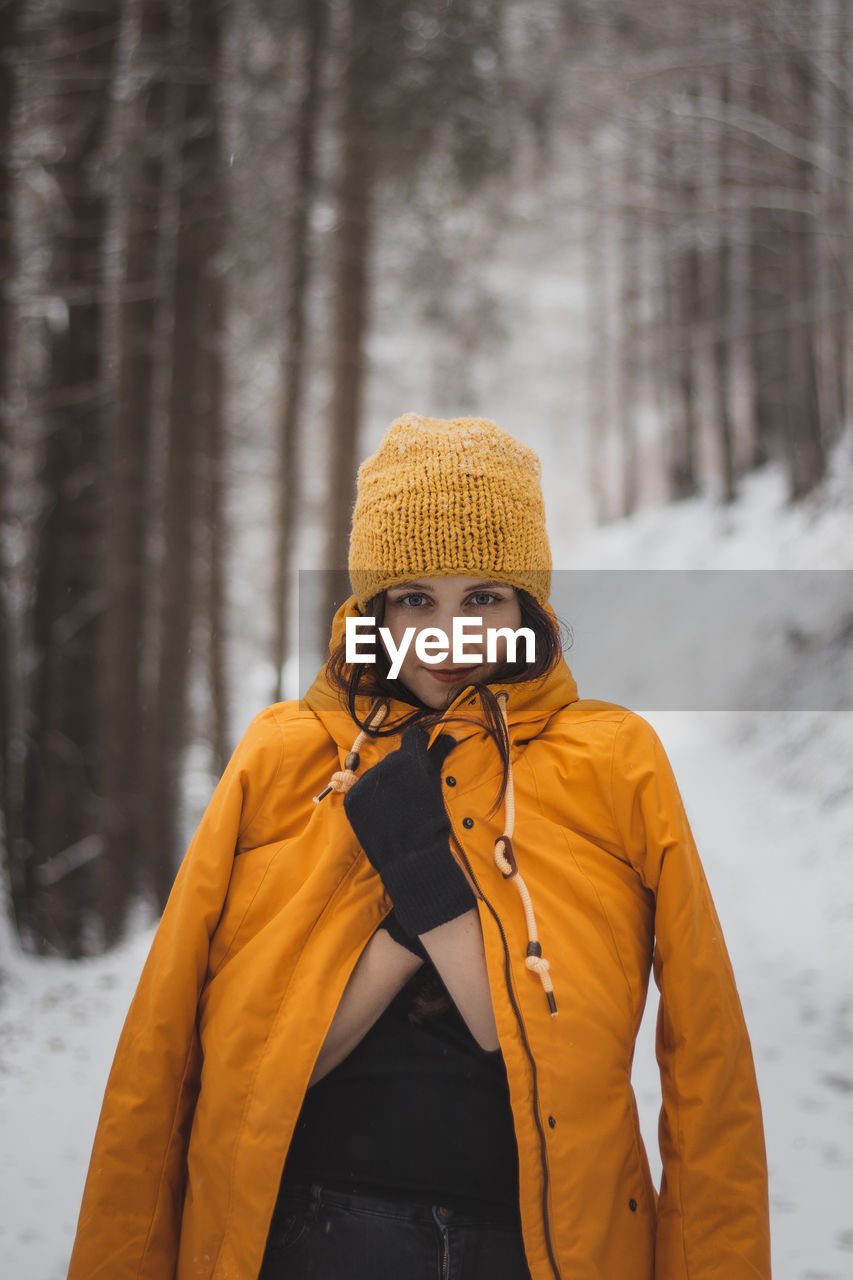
(627, 354)
(354, 200)
(804, 439)
(194, 409)
(768, 270)
(684, 474)
(313, 24)
(147, 118)
(837, 276)
(595, 273)
(211, 404)
(214, 506)
(721, 341)
(62, 811)
(10, 799)
(127, 343)
(841, 230)
(210, 539)
(684, 284)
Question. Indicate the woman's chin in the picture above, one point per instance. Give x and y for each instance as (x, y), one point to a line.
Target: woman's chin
(430, 694)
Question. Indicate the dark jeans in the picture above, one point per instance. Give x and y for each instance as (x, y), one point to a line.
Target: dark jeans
(317, 1234)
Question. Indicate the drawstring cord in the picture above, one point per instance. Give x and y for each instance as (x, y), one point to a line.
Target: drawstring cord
(507, 864)
(504, 855)
(344, 778)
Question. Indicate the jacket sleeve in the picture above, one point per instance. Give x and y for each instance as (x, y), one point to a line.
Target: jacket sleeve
(131, 1211)
(713, 1207)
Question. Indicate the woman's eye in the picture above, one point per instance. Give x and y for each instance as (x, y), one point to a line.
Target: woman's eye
(412, 600)
(481, 598)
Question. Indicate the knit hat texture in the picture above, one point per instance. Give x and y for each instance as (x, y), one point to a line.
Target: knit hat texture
(449, 498)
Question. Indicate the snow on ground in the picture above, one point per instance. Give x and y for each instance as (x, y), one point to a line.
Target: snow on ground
(59, 1024)
(770, 798)
(779, 869)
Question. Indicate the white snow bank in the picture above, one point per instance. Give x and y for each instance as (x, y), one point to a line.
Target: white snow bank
(59, 1024)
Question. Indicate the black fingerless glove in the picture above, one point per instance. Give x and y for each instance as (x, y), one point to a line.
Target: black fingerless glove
(397, 813)
(398, 934)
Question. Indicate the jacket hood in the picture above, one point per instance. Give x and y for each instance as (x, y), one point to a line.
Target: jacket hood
(530, 703)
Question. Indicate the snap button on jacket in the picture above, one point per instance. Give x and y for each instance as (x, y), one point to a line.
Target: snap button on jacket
(270, 910)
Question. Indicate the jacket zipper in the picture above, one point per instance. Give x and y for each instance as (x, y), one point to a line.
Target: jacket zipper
(543, 1149)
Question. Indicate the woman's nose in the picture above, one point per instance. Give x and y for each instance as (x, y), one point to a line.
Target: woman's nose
(471, 642)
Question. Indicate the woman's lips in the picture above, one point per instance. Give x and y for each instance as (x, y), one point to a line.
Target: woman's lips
(452, 677)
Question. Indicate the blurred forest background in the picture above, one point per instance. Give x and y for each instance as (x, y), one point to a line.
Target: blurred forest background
(238, 237)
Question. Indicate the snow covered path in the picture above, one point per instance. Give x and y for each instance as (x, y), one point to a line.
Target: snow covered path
(784, 892)
(59, 1023)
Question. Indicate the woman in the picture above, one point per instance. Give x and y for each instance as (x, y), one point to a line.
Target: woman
(407, 954)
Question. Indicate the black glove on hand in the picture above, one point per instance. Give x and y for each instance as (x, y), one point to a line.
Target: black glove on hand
(397, 813)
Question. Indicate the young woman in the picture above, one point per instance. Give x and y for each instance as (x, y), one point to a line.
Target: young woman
(387, 1023)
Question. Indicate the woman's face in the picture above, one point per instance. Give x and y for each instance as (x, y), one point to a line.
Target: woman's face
(434, 602)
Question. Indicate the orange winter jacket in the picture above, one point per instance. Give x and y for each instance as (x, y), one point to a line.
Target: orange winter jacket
(270, 910)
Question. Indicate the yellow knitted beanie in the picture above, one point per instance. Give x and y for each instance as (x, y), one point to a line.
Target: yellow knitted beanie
(449, 498)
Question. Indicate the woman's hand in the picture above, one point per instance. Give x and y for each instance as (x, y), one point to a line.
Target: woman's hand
(385, 966)
(397, 813)
(398, 816)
